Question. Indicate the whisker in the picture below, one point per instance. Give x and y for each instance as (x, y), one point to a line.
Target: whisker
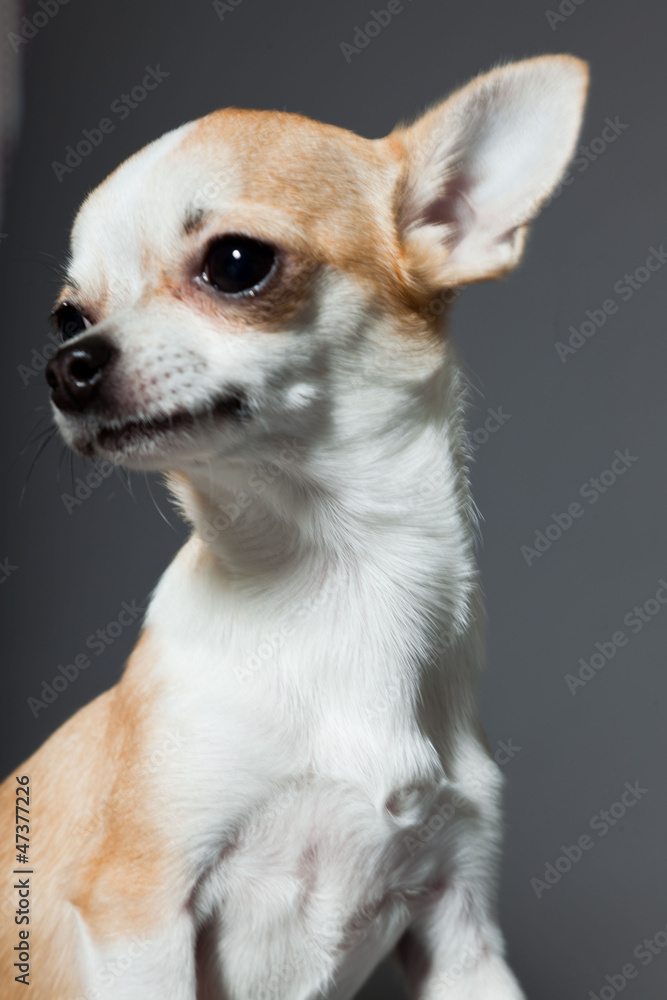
(33, 431)
(160, 512)
(49, 437)
(124, 476)
(37, 439)
(63, 455)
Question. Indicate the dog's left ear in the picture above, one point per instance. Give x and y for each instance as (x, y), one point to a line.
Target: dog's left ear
(477, 167)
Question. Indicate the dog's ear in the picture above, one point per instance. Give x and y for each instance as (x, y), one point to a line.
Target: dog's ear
(477, 167)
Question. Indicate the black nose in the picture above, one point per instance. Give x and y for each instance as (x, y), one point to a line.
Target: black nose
(76, 371)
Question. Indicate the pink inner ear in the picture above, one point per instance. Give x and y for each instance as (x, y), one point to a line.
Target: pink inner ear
(452, 208)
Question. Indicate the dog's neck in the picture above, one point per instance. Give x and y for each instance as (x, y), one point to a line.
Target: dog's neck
(347, 582)
(385, 486)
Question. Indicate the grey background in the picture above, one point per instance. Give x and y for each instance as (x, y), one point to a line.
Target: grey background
(75, 569)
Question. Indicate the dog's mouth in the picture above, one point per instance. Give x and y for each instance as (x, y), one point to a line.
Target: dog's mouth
(123, 433)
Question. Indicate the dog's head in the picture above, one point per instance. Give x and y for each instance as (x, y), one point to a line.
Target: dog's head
(253, 275)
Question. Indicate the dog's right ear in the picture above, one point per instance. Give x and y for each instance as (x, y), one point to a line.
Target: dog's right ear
(477, 167)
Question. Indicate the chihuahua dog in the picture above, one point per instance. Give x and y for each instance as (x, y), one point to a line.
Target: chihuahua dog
(290, 781)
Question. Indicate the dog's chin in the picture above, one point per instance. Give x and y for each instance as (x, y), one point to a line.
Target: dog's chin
(155, 443)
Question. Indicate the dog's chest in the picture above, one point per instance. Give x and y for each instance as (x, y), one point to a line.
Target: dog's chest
(318, 777)
(321, 881)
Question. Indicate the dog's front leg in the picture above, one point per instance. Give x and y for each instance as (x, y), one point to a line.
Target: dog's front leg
(454, 949)
(151, 963)
(136, 930)
(456, 953)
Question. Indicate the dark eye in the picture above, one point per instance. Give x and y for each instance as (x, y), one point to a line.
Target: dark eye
(69, 320)
(237, 263)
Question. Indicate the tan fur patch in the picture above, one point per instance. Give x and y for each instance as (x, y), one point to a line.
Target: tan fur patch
(96, 842)
(124, 882)
(326, 191)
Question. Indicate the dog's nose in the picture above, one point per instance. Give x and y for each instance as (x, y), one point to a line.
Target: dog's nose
(76, 371)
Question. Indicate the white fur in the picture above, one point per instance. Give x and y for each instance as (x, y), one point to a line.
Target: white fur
(319, 647)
